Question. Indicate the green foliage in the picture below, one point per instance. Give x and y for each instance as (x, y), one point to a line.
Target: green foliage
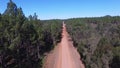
(11, 10)
(23, 41)
(97, 40)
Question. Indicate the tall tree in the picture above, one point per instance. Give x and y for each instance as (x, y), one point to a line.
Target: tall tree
(11, 9)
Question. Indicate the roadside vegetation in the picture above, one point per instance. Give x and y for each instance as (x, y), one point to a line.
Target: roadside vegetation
(25, 40)
(97, 40)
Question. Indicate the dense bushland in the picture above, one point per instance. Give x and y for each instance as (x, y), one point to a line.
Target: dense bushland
(97, 40)
(24, 40)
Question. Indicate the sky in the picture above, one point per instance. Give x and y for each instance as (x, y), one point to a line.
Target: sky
(64, 9)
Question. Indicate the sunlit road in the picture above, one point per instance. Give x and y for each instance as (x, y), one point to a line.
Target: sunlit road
(64, 55)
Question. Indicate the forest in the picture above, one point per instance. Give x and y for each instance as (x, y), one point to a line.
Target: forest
(97, 39)
(24, 41)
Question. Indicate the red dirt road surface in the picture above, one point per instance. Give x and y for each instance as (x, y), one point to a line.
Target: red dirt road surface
(64, 55)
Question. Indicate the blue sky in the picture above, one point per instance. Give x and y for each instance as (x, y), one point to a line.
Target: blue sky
(63, 9)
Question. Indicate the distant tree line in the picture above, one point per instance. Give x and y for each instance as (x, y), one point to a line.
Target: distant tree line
(24, 40)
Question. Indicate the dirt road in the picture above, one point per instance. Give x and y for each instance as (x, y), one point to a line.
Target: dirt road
(64, 55)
